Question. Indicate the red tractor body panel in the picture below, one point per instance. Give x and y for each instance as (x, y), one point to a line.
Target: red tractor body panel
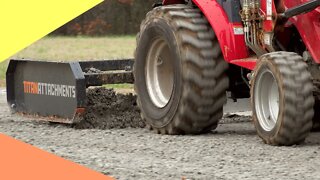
(308, 26)
(230, 35)
(249, 63)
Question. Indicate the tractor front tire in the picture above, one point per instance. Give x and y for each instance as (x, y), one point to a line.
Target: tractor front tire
(179, 72)
(282, 99)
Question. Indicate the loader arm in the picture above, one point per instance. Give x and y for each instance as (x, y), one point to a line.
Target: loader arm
(310, 35)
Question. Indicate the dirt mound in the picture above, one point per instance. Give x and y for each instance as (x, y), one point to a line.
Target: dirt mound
(234, 118)
(108, 110)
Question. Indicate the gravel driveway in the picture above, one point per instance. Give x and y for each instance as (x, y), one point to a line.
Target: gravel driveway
(233, 151)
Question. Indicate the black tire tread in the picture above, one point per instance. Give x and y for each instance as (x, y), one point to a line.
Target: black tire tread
(203, 68)
(298, 99)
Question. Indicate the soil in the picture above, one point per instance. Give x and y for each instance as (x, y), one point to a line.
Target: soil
(108, 110)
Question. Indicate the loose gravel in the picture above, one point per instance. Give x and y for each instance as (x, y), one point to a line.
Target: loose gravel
(233, 151)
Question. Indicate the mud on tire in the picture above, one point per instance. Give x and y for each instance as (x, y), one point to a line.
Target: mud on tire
(293, 121)
(199, 81)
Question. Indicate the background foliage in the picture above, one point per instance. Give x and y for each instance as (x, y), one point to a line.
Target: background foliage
(112, 17)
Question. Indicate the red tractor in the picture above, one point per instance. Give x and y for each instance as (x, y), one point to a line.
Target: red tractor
(191, 52)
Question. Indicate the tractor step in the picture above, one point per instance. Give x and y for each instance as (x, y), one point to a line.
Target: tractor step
(56, 91)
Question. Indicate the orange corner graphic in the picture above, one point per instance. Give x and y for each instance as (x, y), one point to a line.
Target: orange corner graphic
(19, 160)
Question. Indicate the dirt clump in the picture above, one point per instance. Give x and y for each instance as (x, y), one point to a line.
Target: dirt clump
(234, 118)
(108, 110)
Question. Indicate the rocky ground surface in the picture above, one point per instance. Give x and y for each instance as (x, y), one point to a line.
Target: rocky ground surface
(233, 151)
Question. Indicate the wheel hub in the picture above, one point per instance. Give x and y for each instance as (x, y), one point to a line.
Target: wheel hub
(266, 94)
(159, 73)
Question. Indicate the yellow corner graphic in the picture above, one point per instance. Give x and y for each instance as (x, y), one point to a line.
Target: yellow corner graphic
(24, 22)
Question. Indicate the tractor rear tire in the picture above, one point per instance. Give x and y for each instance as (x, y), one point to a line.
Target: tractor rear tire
(179, 72)
(282, 99)
(316, 118)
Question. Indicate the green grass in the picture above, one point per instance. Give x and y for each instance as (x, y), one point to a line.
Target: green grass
(3, 69)
(80, 48)
(119, 86)
(76, 48)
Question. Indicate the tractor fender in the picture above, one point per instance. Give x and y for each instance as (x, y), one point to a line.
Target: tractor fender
(230, 34)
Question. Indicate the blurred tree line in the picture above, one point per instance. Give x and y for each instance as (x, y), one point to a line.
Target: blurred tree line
(111, 17)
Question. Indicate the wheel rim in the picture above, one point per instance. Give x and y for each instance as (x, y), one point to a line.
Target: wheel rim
(266, 99)
(159, 73)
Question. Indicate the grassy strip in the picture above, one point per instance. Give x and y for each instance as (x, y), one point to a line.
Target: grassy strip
(3, 69)
(76, 48)
(119, 86)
